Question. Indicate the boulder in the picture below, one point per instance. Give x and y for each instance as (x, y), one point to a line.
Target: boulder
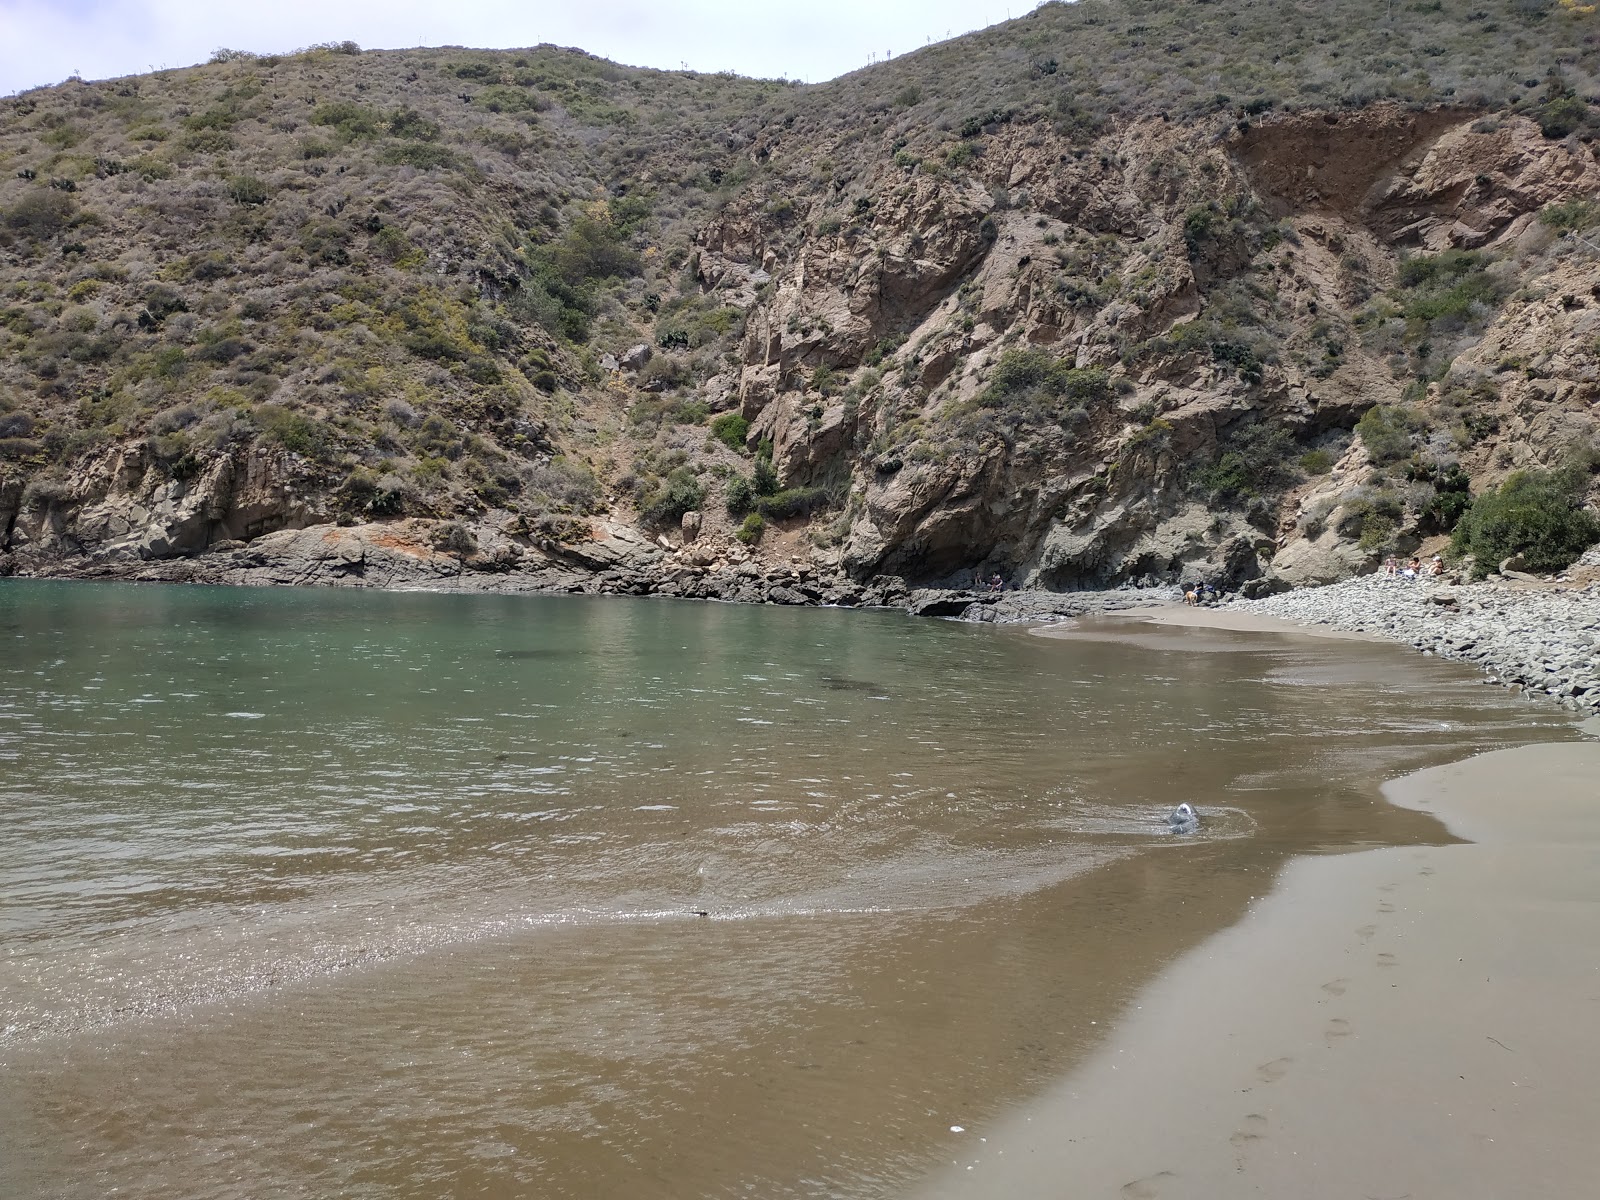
(1266, 585)
(1325, 560)
(933, 603)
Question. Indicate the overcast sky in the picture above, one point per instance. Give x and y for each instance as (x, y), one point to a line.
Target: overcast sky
(45, 41)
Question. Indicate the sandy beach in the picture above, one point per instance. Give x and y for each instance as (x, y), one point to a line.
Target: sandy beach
(1398, 1023)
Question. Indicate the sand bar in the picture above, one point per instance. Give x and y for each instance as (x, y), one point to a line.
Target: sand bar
(1411, 1022)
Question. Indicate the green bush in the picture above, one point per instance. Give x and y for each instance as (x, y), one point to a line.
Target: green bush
(731, 429)
(1535, 514)
(247, 189)
(1377, 528)
(43, 212)
(501, 98)
(1573, 214)
(1036, 383)
(559, 290)
(294, 432)
(740, 495)
(1253, 460)
(1197, 226)
(1445, 285)
(751, 530)
(1561, 116)
(1239, 356)
(678, 493)
(350, 121)
(566, 483)
(454, 538)
(390, 497)
(421, 155)
(1386, 433)
(594, 246)
(792, 502)
(1316, 462)
(765, 478)
(407, 122)
(1451, 495)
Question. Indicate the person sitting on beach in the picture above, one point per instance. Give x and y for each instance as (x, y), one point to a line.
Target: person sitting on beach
(1414, 568)
(997, 584)
(1436, 565)
(1391, 566)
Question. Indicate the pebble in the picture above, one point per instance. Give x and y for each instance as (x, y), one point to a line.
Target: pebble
(1542, 642)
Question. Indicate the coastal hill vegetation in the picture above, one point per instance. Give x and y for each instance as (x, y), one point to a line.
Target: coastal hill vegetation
(1121, 288)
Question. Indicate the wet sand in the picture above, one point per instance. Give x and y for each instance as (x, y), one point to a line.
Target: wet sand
(1409, 1022)
(1244, 622)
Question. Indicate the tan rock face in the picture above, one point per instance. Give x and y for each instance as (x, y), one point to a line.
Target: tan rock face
(1206, 289)
(1087, 252)
(123, 507)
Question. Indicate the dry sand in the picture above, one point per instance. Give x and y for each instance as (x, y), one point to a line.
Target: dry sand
(1409, 1023)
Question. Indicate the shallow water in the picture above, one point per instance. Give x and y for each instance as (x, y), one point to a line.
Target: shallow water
(333, 893)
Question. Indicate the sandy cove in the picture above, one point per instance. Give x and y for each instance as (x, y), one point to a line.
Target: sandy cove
(1408, 1022)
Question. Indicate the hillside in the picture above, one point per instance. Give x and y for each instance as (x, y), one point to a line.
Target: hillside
(1123, 289)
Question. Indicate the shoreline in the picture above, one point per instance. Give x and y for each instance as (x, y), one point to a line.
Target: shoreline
(1530, 637)
(1395, 1022)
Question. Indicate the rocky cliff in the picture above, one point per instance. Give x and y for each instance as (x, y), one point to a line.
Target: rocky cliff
(531, 320)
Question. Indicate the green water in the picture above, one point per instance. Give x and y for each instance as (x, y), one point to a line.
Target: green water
(317, 893)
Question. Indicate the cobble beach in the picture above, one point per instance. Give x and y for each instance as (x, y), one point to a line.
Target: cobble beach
(1540, 639)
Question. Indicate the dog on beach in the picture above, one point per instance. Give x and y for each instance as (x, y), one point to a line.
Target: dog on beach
(1191, 596)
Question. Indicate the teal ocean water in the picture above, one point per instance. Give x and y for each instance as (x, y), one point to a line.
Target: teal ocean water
(313, 893)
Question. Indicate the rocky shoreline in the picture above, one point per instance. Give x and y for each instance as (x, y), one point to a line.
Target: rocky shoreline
(1540, 639)
(617, 561)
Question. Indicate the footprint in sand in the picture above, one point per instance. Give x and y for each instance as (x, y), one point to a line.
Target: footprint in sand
(1425, 871)
(1146, 1188)
(1271, 1072)
(1385, 907)
(1388, 887)
(1337, 1028)
(1366, 931)
(1388, 960)
(1336, 987)
(1252, 1129)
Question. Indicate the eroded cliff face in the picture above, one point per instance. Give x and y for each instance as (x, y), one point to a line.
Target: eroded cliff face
(1221, 285)
(1194, 319)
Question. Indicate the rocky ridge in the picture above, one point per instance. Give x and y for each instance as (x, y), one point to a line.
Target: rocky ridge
(994, 306)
